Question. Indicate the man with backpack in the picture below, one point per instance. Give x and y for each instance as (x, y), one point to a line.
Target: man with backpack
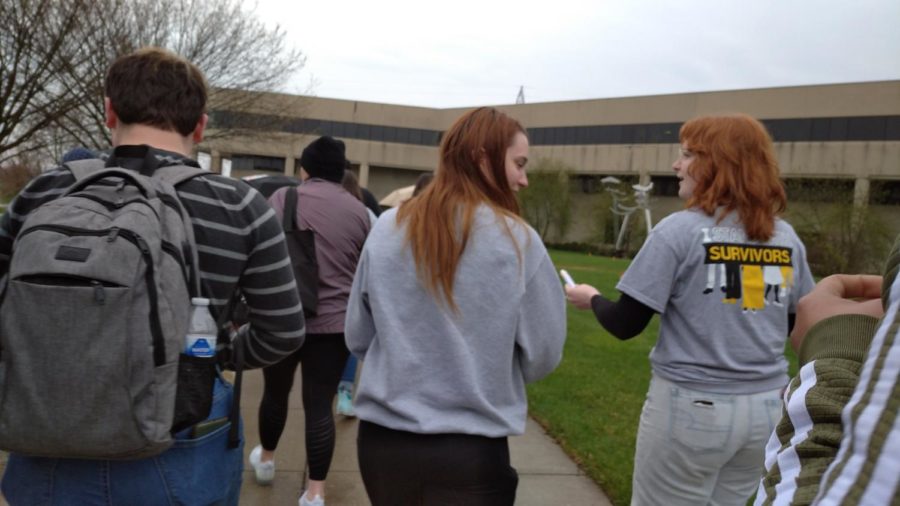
(155, 109)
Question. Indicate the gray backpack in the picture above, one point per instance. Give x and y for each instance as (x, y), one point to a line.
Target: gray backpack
(93, 315)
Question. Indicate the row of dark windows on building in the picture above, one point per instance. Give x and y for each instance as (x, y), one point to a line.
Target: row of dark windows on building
(861, 128)
(339, 129)
(400, 135)
(870, 128)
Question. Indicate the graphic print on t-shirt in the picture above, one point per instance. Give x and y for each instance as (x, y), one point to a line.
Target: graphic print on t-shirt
(750, 272)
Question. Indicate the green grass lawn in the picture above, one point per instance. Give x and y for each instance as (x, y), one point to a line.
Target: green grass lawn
(591, 404)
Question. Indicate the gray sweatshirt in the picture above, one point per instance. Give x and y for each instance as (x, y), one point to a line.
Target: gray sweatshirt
(428, 370)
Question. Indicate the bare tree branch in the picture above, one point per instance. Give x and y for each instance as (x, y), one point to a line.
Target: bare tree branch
(36, 40)
(54, 55)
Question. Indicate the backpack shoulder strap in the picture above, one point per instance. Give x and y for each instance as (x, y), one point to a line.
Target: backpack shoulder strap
(174, 175)
(87, 176)
(177, 174)
(83, 168)
(289, 216)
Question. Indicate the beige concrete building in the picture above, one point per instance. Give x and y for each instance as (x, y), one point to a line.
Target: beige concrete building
(847, 132)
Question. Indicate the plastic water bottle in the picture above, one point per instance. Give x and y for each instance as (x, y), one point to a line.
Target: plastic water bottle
(201, 335)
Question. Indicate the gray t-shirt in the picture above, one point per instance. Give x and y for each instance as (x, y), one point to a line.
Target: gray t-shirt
(429, 371)
(723, 301)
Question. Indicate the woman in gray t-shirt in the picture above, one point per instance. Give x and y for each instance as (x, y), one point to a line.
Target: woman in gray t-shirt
(725, 275)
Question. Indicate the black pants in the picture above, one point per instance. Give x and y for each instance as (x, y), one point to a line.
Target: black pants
(403, 468)
(322, 357)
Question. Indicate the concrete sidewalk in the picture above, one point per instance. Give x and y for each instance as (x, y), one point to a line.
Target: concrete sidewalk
(546, 475)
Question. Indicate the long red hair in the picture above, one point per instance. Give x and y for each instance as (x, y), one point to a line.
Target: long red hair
(735, 168)
(471, 172)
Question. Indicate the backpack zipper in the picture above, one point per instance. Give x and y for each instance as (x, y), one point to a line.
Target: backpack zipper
(99, 295)
(113, 206)
(111, 235)
(166, 200)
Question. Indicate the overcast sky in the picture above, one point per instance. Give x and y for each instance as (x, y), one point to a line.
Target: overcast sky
(478, 52)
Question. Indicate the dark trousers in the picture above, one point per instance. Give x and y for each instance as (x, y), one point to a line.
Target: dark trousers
(403, 468)
(732, 281)
(322, 358)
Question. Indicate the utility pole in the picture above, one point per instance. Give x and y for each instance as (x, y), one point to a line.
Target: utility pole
(520, 98)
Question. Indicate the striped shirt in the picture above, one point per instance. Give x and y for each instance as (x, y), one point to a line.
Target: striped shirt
(239, 241)
(839, 439)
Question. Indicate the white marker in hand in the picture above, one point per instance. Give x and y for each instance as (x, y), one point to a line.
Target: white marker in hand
(568, 279)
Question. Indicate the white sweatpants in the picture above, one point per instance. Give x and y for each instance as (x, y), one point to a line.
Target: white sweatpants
(698, 448)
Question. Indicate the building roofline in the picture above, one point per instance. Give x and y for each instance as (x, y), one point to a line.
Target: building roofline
(596, 99)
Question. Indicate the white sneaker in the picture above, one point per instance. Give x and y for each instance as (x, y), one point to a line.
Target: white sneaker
(317, 501)
(264, 471)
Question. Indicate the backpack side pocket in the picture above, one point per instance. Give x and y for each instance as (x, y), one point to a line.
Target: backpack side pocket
(193, 398)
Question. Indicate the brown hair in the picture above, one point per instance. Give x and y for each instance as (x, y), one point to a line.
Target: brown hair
(735, 168)
(422, 182)
(155, 87)
(439, 220)
(350, 183)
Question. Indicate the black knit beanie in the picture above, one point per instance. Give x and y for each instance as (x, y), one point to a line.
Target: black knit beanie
(324, 158)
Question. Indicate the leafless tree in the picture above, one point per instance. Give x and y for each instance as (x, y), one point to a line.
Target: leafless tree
(235, 50)
(36, 41)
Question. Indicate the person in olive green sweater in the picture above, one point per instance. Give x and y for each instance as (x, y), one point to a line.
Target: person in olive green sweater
(839, 438)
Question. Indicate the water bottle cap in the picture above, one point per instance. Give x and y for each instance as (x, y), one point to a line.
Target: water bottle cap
(200, 301)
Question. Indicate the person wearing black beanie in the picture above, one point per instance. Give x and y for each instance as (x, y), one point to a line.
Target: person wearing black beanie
(324, 158)
(340, 224)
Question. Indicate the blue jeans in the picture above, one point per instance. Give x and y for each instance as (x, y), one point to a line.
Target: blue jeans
(349, 374)
(701, 448)
(201, 471)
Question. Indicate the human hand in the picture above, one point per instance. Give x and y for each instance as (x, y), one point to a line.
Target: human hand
(836, 295)
(580, 295)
